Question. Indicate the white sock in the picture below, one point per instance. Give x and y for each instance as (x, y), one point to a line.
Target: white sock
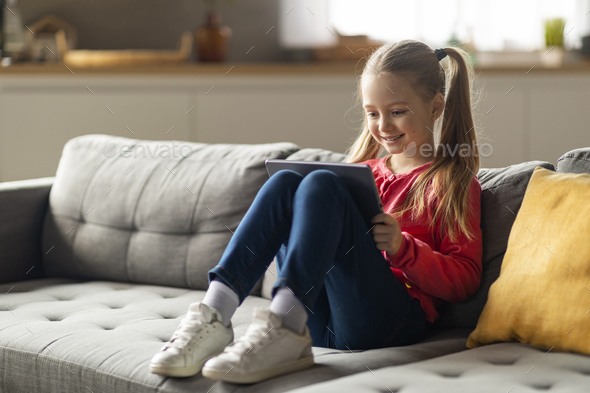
(291, 310)
(223, 299)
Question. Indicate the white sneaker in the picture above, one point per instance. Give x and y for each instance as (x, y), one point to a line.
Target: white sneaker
(200, 336)
(266, 350)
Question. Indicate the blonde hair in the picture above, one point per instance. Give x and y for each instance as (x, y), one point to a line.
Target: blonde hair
(449, 176)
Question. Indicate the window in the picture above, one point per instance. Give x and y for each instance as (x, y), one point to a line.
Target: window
(492, 24)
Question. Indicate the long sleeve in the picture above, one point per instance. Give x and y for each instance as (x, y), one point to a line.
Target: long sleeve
(445, 270)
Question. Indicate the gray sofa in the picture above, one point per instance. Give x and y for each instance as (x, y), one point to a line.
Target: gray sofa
(99, 264)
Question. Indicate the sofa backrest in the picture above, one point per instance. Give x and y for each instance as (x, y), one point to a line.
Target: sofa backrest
(162, 213)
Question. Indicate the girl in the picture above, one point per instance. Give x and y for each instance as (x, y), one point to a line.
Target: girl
(342, 284)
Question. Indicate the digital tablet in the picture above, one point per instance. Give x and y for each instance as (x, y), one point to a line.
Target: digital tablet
(358, 179)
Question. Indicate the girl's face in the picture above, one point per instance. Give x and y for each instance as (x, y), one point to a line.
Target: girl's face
(397, 117)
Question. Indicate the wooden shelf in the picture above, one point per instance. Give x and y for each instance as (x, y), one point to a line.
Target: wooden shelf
(190, 68)
(324, 68)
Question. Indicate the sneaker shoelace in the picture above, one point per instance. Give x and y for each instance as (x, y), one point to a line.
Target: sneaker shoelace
(253, 337)
(188, 329)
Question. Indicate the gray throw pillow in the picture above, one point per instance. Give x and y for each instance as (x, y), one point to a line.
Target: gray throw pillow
(575, 161)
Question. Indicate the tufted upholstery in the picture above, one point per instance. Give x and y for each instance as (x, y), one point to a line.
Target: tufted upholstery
(104, 331)
(61, 335)
(132, 217)
(506, 367)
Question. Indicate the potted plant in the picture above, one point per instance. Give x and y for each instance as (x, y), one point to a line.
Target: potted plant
(212, 38)
(553, 54)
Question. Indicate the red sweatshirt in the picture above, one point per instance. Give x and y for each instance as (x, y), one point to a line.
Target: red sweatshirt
(431, 267)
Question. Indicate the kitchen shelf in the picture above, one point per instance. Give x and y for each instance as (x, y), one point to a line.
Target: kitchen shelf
(327, 68)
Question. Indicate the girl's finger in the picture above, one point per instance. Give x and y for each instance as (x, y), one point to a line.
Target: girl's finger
(382, 238)
(381, 228)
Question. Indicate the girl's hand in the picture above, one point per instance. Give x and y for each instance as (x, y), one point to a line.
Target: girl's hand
(387, 234)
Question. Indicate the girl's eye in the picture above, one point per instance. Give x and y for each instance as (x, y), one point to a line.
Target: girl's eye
(395, 113)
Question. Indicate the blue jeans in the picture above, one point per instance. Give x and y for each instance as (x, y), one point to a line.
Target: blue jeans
(327, 257)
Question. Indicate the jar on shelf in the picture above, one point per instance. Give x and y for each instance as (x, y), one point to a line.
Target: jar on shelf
(212, 39)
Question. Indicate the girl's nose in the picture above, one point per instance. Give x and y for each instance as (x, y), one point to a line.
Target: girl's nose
(385, 125)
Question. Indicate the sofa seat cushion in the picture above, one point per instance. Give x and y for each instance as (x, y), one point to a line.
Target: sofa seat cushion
(63, 335)
(505, 367)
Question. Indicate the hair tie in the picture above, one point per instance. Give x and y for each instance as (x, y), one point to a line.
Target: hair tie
(440, 53)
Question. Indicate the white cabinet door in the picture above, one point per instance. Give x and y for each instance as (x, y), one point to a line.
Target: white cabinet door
(540, 118)
(500, 119)
(560, 122)
(310, 116)
(35, 123)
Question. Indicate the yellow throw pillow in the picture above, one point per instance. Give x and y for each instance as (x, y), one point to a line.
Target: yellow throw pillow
(542, 296)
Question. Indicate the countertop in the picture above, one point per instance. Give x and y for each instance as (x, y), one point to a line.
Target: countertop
(323, 68)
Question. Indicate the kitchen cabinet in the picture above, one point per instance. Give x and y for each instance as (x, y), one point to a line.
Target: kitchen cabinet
(534, 116)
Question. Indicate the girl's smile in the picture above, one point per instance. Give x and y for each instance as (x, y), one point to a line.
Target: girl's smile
(393, 139)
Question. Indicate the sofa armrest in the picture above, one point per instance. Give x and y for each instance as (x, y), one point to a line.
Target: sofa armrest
(23, 205)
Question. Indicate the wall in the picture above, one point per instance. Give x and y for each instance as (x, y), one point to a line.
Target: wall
(158, 24)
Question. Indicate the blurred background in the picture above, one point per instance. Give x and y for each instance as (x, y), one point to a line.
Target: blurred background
(261, 71)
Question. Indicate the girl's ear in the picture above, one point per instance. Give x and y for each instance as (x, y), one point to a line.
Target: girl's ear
(438, 105)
